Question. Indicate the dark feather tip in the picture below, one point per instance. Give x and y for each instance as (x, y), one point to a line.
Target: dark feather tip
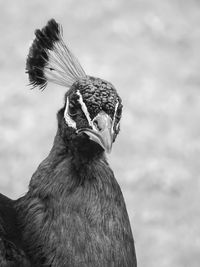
(38, 53)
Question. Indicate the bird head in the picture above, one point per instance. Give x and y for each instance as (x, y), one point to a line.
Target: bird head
(92, 109)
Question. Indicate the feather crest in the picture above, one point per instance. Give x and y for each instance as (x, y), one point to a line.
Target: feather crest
(49, 59)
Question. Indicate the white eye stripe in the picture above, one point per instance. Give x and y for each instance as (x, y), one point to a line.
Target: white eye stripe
(117, 126)
(84, 108)
(114, 116)
(68, 119)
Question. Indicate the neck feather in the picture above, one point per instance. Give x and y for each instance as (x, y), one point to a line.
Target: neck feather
(65, 169)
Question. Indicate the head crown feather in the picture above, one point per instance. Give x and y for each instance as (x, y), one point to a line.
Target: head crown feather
(50, 59)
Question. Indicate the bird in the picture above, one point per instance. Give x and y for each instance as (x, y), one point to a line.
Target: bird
(73, 213)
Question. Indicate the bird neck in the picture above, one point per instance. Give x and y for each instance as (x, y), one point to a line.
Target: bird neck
(68, 205)
(81, 151)
(64, 169)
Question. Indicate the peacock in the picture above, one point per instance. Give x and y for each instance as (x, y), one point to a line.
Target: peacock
(74, 213)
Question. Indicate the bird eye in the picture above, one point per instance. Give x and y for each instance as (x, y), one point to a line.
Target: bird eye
(72, 110)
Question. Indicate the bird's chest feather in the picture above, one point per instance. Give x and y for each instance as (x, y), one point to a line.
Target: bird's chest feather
(82, 223)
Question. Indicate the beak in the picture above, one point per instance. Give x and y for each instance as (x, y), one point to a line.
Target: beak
(101, 131)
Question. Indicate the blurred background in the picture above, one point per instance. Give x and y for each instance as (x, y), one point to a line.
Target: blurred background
(150, 51)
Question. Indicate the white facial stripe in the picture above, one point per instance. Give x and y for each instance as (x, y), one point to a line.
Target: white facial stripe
(68, 119)
(114, 117)
(117, 126)
(84, 108)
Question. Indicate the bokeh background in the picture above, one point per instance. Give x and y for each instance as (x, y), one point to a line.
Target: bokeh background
(150, 50)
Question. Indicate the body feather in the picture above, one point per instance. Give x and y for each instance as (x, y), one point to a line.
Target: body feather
(81, 215)
(11, 249)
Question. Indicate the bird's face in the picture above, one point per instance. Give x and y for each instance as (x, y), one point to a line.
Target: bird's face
(93, 111)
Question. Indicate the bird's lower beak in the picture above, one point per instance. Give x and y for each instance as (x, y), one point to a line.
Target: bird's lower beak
(101, 132)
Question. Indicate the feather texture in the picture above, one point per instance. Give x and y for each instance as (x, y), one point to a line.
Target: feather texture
(50, 60)
(11, 248)
(76, 216)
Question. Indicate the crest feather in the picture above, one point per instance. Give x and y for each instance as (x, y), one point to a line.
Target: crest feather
(50, 60)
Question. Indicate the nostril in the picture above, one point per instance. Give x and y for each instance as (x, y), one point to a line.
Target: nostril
(95, 122)
(102, 122)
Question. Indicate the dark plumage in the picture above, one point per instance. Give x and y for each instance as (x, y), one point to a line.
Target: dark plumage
(74, 212)
(38, 54)
(11, 248)
(50, 59)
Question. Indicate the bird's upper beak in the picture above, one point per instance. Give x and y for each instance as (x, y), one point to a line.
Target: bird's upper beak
(101, 132)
